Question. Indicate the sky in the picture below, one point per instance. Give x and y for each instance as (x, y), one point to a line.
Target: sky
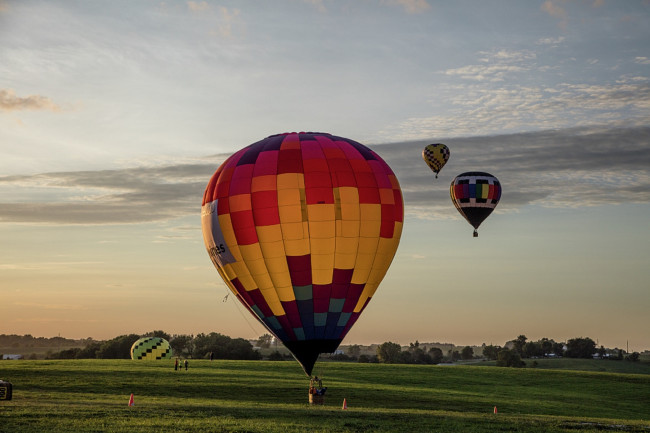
(114, 115)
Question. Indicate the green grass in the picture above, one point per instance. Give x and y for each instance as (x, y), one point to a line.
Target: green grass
(252, 396)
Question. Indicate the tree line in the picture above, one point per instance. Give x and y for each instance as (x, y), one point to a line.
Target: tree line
(198, 346)
(515, 351)
(512, 354)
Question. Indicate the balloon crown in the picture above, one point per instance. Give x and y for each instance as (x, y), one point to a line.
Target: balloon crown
(301, 132)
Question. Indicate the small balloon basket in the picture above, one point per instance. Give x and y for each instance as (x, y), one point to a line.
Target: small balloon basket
(316, 399)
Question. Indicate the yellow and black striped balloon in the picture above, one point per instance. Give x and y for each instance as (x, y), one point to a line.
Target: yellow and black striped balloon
(151, 348)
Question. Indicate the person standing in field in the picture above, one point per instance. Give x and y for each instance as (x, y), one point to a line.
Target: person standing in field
(186, 365)
(176, 364)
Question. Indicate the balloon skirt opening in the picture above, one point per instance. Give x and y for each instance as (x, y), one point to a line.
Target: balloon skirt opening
(306, 352)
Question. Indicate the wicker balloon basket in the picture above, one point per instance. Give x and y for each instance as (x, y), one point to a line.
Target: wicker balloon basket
(316, 399)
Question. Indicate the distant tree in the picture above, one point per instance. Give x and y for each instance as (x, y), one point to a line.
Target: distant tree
(453, 355)
(364, 359)
(633, 357)
(405, 357)
(389, 352)
(436, 355)
(467, 353)
(241, 348)
(519, 343)
(222, 347)
(509, 358)
(90, 350)
(64, 354)
(353, 351)
(265, 341)
(157, 333)
(580, 347)
(558, 349)
(340, 357)
(118, 347)
(533, 349)
(181, 344)
(491, 352)
(276, 356)
(418, 355)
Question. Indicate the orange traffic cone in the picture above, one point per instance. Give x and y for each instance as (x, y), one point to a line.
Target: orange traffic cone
(131, 403)
(495, 409)
(345, 404)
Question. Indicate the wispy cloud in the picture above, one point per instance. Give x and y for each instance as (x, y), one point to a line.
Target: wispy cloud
(566, 168)
(410, 6)
(553, 9)
(226, 18)
(551, 41)
(318, 4)
(9, 101)
(110, 196)
(498, 98)
(195, 6)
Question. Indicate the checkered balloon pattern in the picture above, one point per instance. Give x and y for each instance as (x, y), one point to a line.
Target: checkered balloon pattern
(302, 227)
(475, 194)
(436, 156)
(151, 348)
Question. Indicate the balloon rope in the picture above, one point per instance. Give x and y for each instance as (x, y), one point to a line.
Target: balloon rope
(242, 314)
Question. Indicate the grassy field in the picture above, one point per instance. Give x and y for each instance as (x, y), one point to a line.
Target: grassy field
(252, 396)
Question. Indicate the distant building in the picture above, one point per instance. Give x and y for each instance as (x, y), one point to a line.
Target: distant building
(10, 356)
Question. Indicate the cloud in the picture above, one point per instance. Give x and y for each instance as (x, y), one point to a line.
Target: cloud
(552, 8)
(575, 167)
(496, 65)
(318, 4)
(133, 195)
(513, 106)
(411, 6)
(567, 168)
(226, 18)
(10, 102)
(483, 73)
(642, 60)
(198, 6)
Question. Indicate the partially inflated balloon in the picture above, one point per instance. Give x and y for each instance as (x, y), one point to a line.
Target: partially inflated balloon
(436, 156)
(475, 194)
(151, 348)
(302, 227)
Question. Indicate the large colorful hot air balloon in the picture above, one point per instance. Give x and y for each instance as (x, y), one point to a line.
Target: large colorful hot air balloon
(302, 227)
(436, 156)
(475, 194)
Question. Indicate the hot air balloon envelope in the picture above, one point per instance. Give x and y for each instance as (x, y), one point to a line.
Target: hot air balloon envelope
(475, 194)
(302, 227)
(151, 348)
(436, 156)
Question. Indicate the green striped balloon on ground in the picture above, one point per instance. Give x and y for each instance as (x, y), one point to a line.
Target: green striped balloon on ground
(151, 348)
